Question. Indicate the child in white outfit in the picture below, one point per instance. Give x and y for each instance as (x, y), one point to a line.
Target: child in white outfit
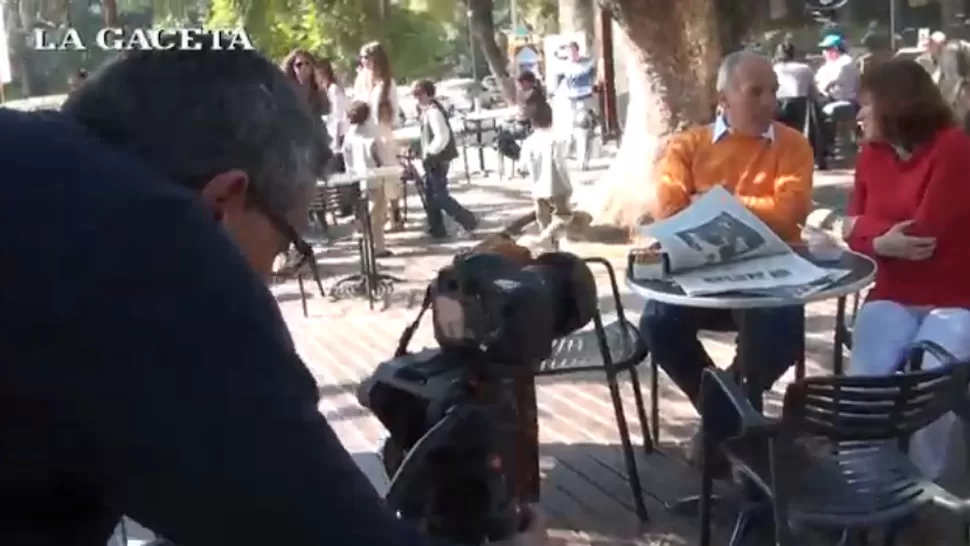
(362, 150)
(544, 157)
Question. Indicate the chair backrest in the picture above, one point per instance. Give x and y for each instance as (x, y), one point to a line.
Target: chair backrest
(330, 198)
(874, 407)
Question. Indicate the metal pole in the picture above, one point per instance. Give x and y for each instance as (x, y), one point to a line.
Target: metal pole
(611, 126)
(892, 24)
(471, 47)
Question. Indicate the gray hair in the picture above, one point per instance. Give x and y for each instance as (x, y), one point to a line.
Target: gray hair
(729, 67)
(193, 114)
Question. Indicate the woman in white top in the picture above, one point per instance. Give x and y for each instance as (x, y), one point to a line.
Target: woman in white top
(385, 109)
(337, 117)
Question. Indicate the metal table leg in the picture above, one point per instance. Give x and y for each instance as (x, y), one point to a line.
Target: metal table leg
(369, 282)
(464, 157)
(479, 139)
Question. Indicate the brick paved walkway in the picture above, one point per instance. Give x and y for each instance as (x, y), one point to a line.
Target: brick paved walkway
(584, 488)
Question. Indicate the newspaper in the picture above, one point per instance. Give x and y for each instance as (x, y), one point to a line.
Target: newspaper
(716, 245)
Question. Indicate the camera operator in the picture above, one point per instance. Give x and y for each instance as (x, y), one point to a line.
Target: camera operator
(147, 369)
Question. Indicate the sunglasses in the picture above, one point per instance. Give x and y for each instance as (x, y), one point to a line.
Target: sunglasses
(307, 257)
(300, 64)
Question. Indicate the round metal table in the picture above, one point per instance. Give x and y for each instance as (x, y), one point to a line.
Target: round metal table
(862, 269)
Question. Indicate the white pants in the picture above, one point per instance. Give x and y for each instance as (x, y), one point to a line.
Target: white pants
(387, 154)
(566, 114)
(377, 203)
(883, 330)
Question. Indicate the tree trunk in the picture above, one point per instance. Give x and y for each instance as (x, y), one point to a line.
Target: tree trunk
(19, 18)
(482, 26)
(672, 54)
(110, 8)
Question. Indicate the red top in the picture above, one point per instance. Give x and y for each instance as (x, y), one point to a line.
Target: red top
(931, 187)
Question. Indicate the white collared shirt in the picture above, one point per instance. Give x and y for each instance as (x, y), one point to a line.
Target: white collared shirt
(433, 117)
(722, 128)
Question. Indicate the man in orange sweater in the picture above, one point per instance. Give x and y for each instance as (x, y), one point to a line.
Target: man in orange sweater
(768, 166)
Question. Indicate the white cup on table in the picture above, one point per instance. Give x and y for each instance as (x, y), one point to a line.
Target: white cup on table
(822, 245)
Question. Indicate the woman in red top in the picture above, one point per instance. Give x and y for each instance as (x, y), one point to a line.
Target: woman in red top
(911, 213)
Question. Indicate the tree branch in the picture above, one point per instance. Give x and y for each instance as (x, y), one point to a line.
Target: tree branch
(483, 31)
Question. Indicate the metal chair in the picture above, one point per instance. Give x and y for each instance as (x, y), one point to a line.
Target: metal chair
(613, 348)
(330, 200)
(843, 330)
(836, 458)
(296, 269)
(285, 273)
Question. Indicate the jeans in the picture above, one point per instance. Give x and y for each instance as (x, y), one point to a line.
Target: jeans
(804, 114)
(773, 339)
(882, 332)
(439, 201)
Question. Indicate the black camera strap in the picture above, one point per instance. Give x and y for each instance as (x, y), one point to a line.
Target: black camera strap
(408, 333)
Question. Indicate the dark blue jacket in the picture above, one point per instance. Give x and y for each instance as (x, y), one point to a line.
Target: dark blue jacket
(146, 370)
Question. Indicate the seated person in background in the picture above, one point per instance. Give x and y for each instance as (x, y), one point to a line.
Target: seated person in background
(877, 45)
(837, 80)
(954, 83)
(544, 159)
(361, 151)
(932, 47)
(911, 212)
(768, 166)
(796, 95)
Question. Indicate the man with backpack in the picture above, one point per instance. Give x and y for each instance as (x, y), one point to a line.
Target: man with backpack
(438, 150)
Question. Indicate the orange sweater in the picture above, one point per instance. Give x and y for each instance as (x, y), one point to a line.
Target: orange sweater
(772, 178)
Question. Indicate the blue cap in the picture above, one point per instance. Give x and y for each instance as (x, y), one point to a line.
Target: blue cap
(830, 40)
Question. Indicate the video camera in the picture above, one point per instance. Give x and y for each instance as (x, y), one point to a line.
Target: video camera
(452, 412)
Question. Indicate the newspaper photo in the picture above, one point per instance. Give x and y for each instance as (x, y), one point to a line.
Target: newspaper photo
(717, 245)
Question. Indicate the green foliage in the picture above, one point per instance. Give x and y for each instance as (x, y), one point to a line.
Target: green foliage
(337, 28)
(542, 15)
(421, 44)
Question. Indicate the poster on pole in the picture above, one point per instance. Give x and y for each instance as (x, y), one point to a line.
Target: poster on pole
(5, 74)
(556, 49)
